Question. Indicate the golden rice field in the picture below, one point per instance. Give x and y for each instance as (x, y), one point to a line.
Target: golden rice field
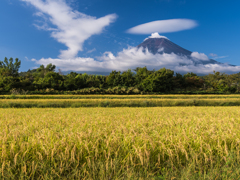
(120, 143)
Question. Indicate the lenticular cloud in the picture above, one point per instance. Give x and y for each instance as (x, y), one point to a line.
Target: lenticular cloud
(163, 26)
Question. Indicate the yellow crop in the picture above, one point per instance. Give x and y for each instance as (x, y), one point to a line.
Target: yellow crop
(120, 143)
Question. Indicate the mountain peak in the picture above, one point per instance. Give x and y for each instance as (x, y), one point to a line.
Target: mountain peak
(157, 44)
(161, 44)
(156, 35)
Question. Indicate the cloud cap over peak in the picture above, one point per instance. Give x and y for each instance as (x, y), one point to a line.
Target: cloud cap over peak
(156, 35)
(163, 26)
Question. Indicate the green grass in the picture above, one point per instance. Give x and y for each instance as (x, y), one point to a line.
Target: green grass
(75, 103)
(119, 96)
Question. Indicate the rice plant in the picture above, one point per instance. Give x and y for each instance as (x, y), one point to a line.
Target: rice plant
(120, 143)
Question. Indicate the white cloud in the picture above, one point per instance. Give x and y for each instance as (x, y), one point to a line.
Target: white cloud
(156, 35)
(200, 56)
(75, 64)
(72, 28)
(208, 68)
(92, 50)
(26, 58)
(220, 57)
(163, 26)
(213, 55)
(132, 57)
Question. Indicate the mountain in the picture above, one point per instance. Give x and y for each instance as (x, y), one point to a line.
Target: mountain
(160, 45)
(157, 44)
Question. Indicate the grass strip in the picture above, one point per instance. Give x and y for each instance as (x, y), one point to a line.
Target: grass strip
(75, 103)
(119, 96)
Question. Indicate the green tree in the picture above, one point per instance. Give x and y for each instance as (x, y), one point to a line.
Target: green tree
(93, 81)
(141, 74)
(189, 75)
(7, 83)
(8, 68)
(159, 81)
(178, 81)
(114, 79)
(42, 70)
(75, 81)
(192, 81)
(51, 80)
(9, 77)
(217, 81)
(127, 78)
(69, 81)
(234, 81)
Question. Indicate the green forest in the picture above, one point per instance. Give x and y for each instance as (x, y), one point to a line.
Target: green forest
(46, 80)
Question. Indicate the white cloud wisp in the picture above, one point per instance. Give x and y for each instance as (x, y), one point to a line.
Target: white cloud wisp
(72, 28)
(215, 56)
(163, 26)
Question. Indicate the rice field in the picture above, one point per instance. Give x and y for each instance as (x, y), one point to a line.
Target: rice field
(120, 143)
(76, 101)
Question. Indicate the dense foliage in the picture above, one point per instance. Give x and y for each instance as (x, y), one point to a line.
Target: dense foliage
(141, 80)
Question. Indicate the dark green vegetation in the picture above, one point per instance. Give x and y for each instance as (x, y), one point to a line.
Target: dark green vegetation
(75, 103)
(44, 80)
(218, 96)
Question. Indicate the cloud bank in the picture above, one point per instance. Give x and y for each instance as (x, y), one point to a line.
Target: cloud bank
(163, 26)
(133, 57)
(72, 28)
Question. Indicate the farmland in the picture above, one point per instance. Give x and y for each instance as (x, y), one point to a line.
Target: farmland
(75, 101)
(120, 143)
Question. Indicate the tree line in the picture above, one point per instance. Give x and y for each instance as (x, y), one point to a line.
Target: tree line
(45, 78)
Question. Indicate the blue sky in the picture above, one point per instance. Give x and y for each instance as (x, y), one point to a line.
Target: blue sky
(30, 32)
